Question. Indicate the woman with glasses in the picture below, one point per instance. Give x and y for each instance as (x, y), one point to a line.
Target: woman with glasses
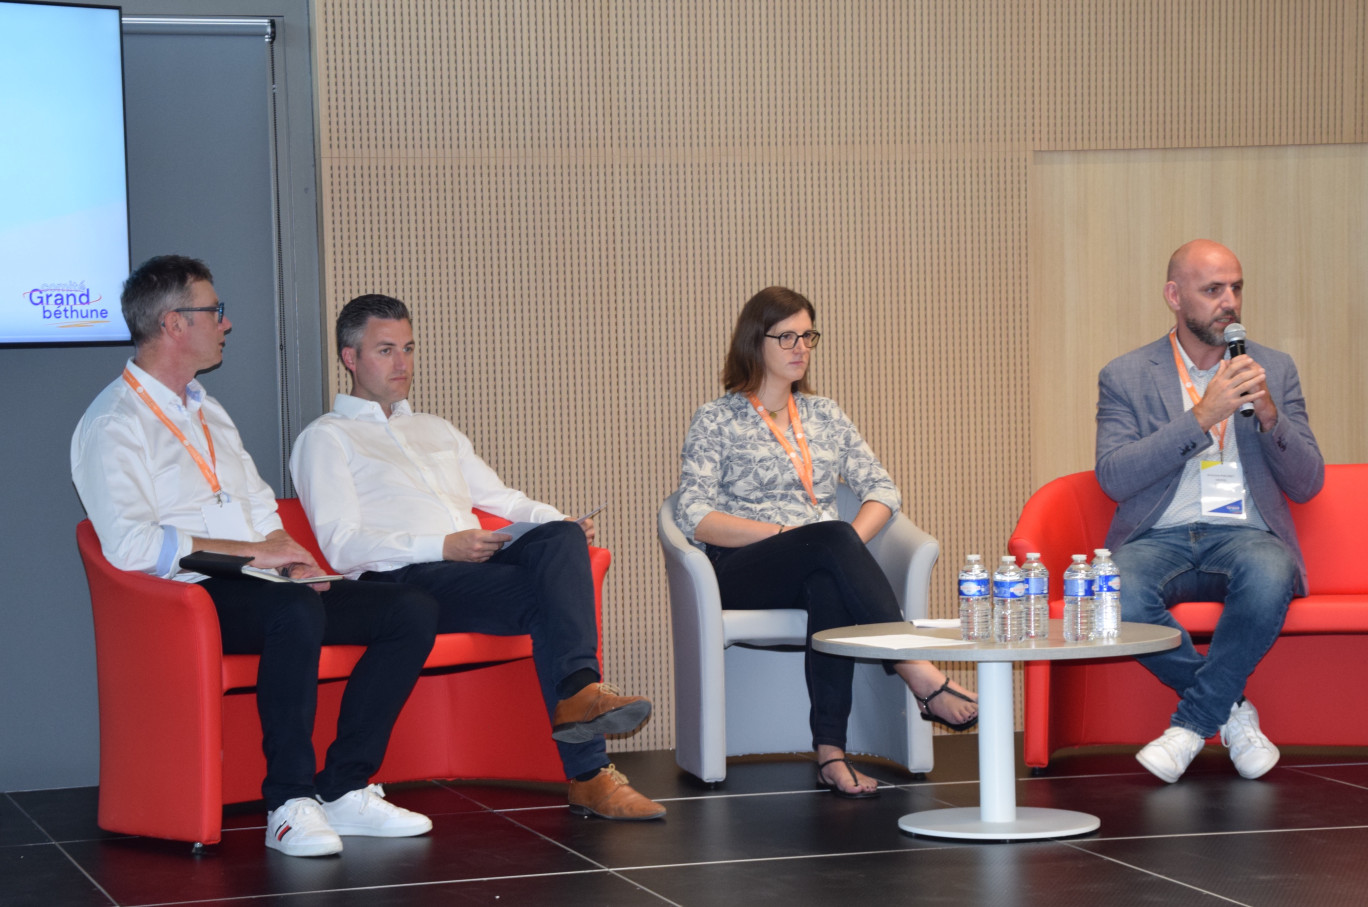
(757, 491)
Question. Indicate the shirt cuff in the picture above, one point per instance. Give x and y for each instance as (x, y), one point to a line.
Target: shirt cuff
(168, 559)
(427, 549)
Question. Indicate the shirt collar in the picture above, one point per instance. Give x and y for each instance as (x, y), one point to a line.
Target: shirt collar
(349, 407)
(1193, 370)
(164, 396)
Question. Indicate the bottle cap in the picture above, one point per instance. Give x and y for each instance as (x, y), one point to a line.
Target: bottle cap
(1009, 559)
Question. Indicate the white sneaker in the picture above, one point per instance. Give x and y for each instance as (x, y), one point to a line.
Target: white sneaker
(367, 812)
(298, 828)
(1169, 756)
(1252, 752)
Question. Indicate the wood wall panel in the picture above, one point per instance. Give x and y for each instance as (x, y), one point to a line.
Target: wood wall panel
(576, 199)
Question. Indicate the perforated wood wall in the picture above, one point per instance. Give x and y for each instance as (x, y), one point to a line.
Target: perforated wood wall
(576, 199)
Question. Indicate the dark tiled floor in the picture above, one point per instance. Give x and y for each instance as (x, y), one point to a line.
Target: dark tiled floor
(1298, 836)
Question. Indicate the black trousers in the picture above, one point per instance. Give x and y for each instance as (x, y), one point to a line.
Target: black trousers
(286, 625)
(825, 569)
(540, 584)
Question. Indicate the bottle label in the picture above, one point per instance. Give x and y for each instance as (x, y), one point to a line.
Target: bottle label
(1078, 586)
(1037, 585)
(1108, 582)
(1006, 588)
(973, 588)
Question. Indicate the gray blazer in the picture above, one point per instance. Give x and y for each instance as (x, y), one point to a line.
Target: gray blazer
(1144, 437)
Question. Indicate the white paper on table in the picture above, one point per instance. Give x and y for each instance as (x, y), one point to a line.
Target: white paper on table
(899, 641)
(937, 623)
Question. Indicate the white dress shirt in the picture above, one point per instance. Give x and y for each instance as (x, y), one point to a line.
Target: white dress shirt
(142, 490)
(383, 493)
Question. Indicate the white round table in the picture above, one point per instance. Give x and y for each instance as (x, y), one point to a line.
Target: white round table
(997, 817)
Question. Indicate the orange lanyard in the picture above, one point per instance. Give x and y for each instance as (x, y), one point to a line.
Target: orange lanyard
(209, 471)
(801, 462)
(1191, 389)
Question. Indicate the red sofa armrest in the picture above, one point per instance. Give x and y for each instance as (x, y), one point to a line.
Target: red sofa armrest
(158, 665)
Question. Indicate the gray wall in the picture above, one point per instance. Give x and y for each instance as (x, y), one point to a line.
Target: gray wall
(201, 160)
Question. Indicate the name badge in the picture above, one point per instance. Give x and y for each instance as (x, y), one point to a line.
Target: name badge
(227, 520)
(1223, 490)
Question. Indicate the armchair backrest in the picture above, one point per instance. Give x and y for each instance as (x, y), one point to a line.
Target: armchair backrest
(1329, 533)
(1069, 515)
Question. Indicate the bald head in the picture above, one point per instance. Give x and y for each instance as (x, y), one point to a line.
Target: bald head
(1205, 289)
(1198, 252)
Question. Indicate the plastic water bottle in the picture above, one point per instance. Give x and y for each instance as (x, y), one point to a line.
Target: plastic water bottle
(1009, 592)
(976, 616)
(1079, 613)
(1107, 590)
(1037, 600)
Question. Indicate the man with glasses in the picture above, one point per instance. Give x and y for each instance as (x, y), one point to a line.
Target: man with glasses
(390, 494)
(162, 473)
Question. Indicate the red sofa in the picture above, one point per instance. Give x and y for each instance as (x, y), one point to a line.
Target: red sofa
(1306, 688)
(179, 733)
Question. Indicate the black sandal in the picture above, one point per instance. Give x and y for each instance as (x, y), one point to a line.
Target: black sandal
(926, 707)
(824, 784)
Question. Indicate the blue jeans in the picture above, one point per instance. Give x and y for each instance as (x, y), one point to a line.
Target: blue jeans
(542, 585)
(1252, 571)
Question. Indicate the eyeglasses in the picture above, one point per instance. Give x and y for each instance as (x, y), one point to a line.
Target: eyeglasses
(788, 340)
(206, 308)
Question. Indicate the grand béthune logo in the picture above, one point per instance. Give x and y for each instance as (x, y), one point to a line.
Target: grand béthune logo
(69, 304)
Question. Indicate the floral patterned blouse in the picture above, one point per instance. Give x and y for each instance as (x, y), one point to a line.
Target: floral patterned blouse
(732, 463)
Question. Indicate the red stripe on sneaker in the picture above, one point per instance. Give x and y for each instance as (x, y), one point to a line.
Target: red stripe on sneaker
(284, 830)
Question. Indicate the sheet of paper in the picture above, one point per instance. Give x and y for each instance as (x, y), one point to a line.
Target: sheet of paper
(937, 623)
(899, 641)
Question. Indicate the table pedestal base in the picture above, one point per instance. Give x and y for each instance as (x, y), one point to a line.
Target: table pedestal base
(997, 818)
(968, 823)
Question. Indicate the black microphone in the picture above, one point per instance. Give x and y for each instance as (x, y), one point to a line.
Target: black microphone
(1235, 343)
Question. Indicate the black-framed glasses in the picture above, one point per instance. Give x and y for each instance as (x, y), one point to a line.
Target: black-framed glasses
(218, 309)
(789, 339)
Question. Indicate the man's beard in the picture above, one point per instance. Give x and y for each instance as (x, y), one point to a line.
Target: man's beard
(1205, 332)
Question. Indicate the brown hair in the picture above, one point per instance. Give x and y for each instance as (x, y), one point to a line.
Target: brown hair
(745, 366)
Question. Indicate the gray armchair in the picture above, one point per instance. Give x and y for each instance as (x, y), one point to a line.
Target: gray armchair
(739, 685)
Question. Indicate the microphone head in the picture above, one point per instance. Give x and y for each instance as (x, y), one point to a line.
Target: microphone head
(1234, 331)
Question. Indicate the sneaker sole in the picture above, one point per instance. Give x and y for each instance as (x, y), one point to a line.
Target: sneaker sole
(322, 849)
(1260, 773)
(1156, 771)
(618, 721)
(366, 831)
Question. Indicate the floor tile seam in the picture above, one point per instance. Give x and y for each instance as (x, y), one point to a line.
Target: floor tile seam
(590, 860)
(1151, 873)
(89, 878)
(34, 822)
(1220, 834)
(1302, 771)
(947, 845)
(223, 899)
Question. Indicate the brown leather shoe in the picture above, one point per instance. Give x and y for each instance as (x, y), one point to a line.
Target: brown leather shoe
(609, 796)
(599, 708)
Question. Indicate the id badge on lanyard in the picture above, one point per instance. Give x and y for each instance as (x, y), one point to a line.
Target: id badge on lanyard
(1223, 490)
(227, 519)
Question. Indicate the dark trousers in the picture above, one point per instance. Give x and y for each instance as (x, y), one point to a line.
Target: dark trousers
(825, 569)
(541, 585)
(286, 624)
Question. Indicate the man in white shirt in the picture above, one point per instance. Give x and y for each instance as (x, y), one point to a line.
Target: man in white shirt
(162, 473)
(390, 495)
